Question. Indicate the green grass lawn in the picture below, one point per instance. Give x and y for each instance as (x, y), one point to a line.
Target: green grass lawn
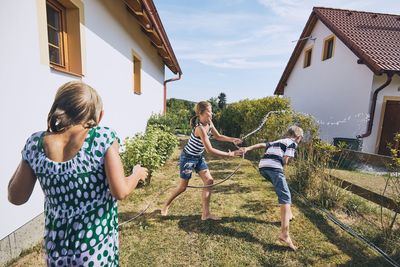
(246, 235)
(373, 182)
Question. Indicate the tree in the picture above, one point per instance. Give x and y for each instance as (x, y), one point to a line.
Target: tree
(222, 100)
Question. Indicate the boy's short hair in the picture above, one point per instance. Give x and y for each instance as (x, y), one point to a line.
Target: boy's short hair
(294, 131)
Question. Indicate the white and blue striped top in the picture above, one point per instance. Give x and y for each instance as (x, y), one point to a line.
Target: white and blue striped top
(195, 146)
(274, 153)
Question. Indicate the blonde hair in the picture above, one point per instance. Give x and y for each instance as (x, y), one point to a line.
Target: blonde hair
(294, 131)
(75, 103)
(199, 109)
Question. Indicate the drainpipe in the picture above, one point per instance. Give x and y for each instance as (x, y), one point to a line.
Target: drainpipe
(373, 104)
(165, 90)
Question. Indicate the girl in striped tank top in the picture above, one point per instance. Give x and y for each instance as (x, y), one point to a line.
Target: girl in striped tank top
(192, 158)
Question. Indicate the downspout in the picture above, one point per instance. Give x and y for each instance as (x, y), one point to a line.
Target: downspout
(151, 9)
(165, 90)
(373, 104)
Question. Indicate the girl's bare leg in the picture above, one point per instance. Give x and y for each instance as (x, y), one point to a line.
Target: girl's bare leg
(206, 196)
(183, 183)
(286, 213)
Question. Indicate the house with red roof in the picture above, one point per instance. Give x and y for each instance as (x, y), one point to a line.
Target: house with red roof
(345, 72)
(119, 47)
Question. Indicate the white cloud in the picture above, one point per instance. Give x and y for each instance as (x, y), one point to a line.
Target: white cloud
(239, 38)
(242, 63)
(299, 9)
(291, 9)
(244, 40)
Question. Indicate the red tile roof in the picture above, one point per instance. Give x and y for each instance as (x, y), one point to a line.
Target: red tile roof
(373, 37)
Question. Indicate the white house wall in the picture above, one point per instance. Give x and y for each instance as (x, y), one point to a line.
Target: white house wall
(28, 85)
(110, 29)
(335, 91)
(370, 144)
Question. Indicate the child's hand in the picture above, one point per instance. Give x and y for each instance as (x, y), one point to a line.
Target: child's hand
(238, 152)
(244, 149)
(237, 141)
(140, 172)
(235, 153)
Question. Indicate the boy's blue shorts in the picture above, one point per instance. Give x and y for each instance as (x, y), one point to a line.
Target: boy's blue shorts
(189, 162)
(278, 179)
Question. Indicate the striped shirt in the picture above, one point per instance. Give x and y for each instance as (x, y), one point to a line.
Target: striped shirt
(274, 153)
(195, 146)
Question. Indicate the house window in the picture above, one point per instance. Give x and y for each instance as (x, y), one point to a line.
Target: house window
(328, 48)
(307, 58)
(55, 30)
(63, 35)
(137, 66)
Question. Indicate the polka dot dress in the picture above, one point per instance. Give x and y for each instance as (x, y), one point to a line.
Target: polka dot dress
(81, 223)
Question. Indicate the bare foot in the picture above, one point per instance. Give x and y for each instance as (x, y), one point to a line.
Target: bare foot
(210, 217)
(288, 241)
(164, 211)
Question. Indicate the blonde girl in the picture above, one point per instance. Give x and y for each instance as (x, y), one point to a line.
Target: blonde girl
(192, 157)
(79, 169)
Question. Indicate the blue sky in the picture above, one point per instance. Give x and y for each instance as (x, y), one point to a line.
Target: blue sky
(240, 47)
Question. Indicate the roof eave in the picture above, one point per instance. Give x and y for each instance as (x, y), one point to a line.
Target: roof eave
(147, 16)
(295, 54)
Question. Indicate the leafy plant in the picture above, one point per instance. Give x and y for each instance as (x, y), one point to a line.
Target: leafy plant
(150, 150)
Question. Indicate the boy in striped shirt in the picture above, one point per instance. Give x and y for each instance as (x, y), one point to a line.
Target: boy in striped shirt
(277, 154)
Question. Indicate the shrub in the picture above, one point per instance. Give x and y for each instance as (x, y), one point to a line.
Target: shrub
(243, 117)
(354, 205)
(150, 150)
(177, 122)
(311, 176)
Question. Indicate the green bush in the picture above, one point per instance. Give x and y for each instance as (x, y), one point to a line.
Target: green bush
(150, 150)
(241, 118)
(177, 122)
(354, 205)
(310, 175)
(244, 116)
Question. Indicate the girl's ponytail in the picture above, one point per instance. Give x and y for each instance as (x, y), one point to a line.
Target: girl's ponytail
(75, 103)
(57, 120)
(193, 121)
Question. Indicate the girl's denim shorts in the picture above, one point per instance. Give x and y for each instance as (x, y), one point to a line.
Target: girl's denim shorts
(278, 179)
(188, 163)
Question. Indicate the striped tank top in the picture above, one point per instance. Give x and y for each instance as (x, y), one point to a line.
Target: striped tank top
(195, 146)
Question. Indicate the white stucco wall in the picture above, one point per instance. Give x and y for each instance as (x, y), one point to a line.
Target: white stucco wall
(335, 91)
(28, 84)
(371, 143)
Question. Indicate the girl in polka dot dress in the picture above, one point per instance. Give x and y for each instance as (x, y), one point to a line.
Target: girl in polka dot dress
(80, 172)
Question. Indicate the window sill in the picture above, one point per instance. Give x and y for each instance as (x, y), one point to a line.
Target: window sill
(56, 68)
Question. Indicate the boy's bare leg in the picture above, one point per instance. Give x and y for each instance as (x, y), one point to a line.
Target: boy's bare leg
(286, 213)
(177, 191)
(206, 196)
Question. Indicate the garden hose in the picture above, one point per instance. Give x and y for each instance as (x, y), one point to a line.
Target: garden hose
(146, 208)
(264, 120)
(223, 180)
(349, 230)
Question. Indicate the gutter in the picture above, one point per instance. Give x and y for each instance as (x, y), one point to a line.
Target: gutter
(373, 104)
(152, 11)
(165, 90)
